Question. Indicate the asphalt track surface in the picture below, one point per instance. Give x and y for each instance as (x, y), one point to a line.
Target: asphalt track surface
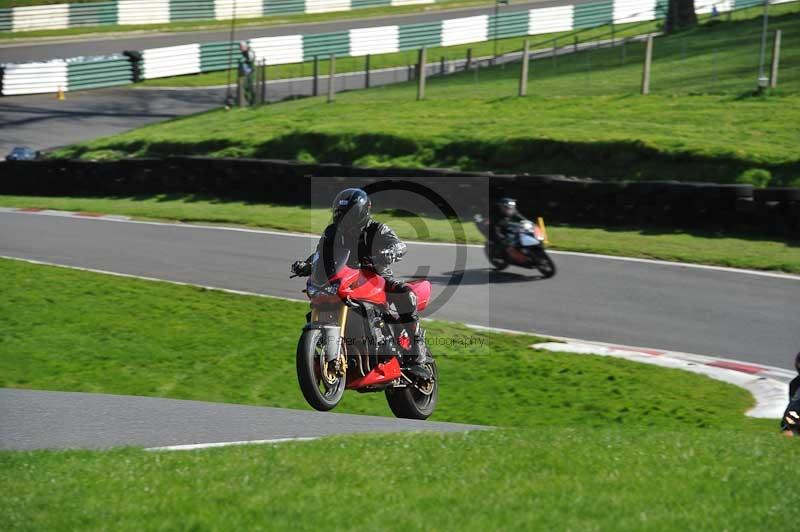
(102, 45)
(63, 420)
(736, 315)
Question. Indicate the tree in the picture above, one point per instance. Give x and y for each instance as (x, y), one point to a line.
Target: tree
(680, 15)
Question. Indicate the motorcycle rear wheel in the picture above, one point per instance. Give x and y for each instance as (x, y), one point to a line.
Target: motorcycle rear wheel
(319, 393)
(410, 402)
(497, 262)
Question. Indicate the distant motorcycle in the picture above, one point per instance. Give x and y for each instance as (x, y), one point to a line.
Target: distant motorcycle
(524, 247)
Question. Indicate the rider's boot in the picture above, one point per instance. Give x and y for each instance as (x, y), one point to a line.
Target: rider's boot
(419, 350)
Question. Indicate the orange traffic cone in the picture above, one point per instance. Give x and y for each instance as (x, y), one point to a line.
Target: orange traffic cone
(60, 93)
(542, 228)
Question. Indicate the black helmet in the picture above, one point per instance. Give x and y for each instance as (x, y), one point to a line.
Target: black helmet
(351, 208)
(506, 206)
(797, 362)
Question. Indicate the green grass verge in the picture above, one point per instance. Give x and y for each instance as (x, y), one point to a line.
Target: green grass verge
(738, 251)
(198, 25)
(697, 126)
(599, 443)
(544, 479)
(78, 331)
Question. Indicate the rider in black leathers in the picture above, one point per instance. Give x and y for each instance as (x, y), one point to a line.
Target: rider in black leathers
(504, 212)
(375, 246)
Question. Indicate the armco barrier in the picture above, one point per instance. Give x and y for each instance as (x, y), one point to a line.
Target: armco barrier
(67, 74)
(135, 12)
(35, 78)
(557, 198)
(171, 61)
(96, 72)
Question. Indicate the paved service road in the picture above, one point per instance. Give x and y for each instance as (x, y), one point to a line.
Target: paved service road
(673, 307)
(40, 121)
(63, 420)
(41, 51)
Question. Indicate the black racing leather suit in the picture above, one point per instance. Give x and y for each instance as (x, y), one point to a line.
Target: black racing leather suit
(375, 247)
(499, 230)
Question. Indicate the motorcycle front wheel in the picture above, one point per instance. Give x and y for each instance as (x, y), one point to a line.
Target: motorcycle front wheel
(545, 264)
(321, 386)
(415, 401)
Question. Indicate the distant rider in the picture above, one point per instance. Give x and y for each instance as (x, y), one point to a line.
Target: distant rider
(503, 214)
(376, 246)
(790, 423)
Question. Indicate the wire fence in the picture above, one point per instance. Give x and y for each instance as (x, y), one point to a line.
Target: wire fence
(721, 56)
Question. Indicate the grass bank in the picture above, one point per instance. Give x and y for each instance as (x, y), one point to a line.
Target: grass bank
(543, 479)
(738, 251)
(583, 117)
(598, 443)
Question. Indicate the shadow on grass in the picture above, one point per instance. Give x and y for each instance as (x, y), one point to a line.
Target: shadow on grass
(607, 160)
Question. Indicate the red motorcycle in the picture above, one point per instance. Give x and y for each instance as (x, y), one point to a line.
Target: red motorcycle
(354, 340)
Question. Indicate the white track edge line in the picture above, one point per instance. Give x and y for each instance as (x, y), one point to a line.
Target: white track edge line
(196, 446)
(112, 218)
(152, 279)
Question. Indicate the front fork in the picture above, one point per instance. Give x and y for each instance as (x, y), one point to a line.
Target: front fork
(334, 334)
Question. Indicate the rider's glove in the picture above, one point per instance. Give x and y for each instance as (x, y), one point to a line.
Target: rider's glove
(389, 256)
(301, 268)
(791, 421)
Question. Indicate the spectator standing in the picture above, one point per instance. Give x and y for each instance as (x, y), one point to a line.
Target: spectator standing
(247, 62)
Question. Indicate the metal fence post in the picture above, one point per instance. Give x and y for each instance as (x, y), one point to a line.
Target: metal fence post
(256, 84)
(332, 78)
(555, 48)
(441, 66)
(263, 81)
(468, 64)
(523, 74)
(366, 71)
(240, 91)
(315, 83)
(624, 50)
(421, 74)
(776, 53)
(648, 58)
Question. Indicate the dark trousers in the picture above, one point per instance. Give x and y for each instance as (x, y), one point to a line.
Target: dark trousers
(405, 300)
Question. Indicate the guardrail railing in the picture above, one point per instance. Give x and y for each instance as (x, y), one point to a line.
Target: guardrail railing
(42, 77)
(138, 12)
